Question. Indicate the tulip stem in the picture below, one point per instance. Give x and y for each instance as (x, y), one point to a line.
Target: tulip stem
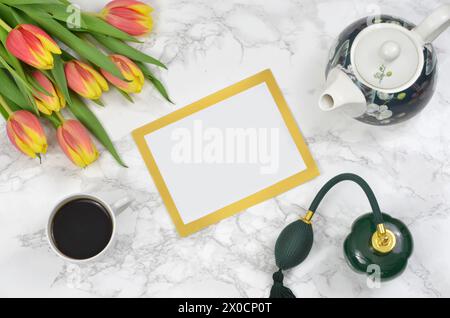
(5, 25)
(60, 117)
(5, 105)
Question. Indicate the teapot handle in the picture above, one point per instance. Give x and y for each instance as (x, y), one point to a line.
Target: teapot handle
(436, 23)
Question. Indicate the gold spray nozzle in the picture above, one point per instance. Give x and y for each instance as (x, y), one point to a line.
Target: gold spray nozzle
(308, 217)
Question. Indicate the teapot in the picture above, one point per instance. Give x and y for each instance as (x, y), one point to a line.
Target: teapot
(382, 69)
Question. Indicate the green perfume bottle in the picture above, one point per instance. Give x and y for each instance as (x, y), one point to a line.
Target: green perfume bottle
(377, 241)
(389, 246)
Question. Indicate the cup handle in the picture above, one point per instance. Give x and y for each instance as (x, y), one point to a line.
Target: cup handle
(121, 205)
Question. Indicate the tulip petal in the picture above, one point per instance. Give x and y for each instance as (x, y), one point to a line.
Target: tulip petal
(132, 27)
(130, 71)
(75, 128)
(43, 108)
(70, 153)
(26, 133)
(137, 6)
(29, 120)
(75, 79)
(115, 81)
(45, 39)
(44, 56)
(142, 8)
(43, 81)
(85, 80)
(62, 99)
(21, 146)
(76, 143)
(37, 143)
(45, 103)
(123, 3)
(17, 142)
(18, 47)
(98, 77)
(132, 17)
(32, 45)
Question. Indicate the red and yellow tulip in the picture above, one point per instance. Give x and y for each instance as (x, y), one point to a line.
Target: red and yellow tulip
(26, 133)
(85, 80)
(51, 102)
(132, 17)
(130, 71)
(32, 45)
(76, 143)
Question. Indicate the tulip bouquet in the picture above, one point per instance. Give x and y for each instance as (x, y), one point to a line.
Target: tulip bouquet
(54, 56)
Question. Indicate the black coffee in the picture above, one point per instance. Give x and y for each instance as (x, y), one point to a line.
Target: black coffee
(81, 229)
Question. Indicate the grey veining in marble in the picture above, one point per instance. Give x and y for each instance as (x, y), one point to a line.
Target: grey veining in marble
(209, 45)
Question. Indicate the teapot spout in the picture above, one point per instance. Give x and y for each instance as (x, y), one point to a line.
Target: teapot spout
(340, 92)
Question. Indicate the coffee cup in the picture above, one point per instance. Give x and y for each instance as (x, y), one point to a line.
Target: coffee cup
(82, 227)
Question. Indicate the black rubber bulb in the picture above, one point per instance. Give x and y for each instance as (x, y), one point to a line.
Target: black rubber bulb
(294, 244)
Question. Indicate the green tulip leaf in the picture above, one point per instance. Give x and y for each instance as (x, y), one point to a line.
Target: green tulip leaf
(59, 11)
(21, 82)
(120, 47)
(21, 2)
(15, 74)
(66, 56)
(98, 102)
(9, 15)
(16, 71)
(15, 107)
(9, 89)
(60, 77)
(54, 120)
(126, 95)
(156, 83)
(4, 113)
(88, 118)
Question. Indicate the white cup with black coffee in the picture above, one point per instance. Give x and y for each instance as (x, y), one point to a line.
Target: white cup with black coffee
(82, 227)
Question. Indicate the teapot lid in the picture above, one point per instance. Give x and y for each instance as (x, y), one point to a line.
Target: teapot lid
(387, 57)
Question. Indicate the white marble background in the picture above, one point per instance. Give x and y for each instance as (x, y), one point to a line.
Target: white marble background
(209, 45)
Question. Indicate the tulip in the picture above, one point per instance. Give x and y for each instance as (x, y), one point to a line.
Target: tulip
(76, 143)
(132, 17)
(26, 133)
(32, 45)
(85, 80)
(51, 102)
(130, 71)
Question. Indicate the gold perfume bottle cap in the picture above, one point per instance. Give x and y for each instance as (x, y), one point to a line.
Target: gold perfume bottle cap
(383, 240)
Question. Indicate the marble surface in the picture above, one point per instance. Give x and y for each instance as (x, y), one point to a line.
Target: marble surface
(209, 45)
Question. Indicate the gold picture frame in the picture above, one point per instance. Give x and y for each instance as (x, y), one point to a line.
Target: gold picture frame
(295, 180)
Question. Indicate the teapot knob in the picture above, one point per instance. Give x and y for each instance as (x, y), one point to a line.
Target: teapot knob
(390, 51)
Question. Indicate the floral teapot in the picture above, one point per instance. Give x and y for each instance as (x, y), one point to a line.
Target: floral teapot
(382, 69)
